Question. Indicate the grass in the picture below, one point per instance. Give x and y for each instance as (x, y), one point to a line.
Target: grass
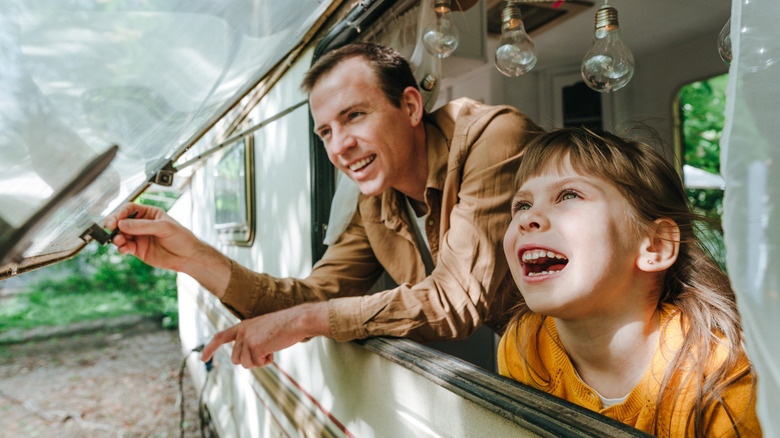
(95, 284)
(33, 309)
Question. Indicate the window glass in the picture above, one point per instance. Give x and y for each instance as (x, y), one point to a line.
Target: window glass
(79, 76)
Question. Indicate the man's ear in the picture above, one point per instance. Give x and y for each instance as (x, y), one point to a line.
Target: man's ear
(659, 250)
(412, 103)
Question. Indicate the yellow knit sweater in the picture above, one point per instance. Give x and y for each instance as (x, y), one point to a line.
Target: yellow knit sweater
(550, 370)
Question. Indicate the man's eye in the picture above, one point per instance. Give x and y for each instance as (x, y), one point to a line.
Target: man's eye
(354, 115)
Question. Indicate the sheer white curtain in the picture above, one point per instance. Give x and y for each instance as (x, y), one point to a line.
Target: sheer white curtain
(404, 34)
(750, 161)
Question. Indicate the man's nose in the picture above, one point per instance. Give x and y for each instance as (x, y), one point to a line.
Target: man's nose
(341, 141)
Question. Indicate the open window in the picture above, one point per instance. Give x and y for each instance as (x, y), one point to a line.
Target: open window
(700, 108)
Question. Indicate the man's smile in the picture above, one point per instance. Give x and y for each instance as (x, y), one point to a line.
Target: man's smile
(361, 164)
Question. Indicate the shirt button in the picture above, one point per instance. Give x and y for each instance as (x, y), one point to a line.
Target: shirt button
(431, 223)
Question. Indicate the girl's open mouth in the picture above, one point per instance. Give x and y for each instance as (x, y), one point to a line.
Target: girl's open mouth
(539, 262)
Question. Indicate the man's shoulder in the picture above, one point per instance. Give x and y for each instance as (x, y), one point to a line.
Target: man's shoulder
(469, 118)
(466, 110)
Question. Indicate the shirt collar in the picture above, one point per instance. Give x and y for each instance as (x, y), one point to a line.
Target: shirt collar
(438, 155)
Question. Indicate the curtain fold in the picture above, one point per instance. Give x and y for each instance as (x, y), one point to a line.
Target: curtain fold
(750, 156)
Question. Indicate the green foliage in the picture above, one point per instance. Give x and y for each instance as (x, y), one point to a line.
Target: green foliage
(703, 107)
(703, 111)
(96, 283)
(164, 200)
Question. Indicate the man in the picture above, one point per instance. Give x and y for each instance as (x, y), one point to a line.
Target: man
(452, 172)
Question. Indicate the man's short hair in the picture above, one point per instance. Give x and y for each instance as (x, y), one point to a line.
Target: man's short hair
(391, 68)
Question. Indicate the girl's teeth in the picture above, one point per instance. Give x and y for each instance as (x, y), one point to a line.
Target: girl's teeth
(535, 274)
(537, 253)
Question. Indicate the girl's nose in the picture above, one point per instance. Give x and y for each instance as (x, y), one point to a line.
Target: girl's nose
(533, 220)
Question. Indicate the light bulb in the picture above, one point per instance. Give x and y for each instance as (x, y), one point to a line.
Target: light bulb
(515, 55)
(724, 43)
(609, 64)
(441, 37)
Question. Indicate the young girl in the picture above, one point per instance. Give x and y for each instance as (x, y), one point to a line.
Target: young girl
(622, 311)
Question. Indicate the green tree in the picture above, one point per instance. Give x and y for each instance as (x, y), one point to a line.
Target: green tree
(96, 283)
(703, 107)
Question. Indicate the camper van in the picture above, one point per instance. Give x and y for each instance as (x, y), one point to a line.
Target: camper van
(101, 101)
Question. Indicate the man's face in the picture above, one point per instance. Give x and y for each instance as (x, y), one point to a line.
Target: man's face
(366, 136)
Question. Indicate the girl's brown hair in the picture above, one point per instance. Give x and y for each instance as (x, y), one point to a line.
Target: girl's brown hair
(694, 283)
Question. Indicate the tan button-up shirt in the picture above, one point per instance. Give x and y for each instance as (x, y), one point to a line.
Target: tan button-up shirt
(473, 154)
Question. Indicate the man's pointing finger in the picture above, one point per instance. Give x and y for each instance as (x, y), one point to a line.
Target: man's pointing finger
(218, 340)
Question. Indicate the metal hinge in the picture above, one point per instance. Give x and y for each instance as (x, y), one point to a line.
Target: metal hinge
(97, 233)
(164, 176)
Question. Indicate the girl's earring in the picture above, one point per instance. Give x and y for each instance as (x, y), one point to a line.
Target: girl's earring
(649, 262)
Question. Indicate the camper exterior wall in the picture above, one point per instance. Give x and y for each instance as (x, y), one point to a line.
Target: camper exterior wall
(282, 246)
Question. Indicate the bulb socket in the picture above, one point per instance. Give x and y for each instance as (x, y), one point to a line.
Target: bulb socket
(442, 6)
(607, 17)
(428, 82)
(510, 15)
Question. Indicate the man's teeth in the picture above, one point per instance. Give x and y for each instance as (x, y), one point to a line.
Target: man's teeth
(532, 255)
(360, 164)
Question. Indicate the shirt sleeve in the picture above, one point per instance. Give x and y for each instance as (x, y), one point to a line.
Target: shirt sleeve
(348, 267)
(460, 293)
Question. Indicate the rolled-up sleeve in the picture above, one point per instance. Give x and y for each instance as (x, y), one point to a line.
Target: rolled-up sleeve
(347, 268)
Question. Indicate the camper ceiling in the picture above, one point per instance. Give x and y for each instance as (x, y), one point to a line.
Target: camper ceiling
(537, 16)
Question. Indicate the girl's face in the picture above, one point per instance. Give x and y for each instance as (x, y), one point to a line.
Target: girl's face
(571, 247)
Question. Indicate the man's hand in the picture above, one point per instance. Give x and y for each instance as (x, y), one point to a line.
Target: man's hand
(257, 339)
(158, 240)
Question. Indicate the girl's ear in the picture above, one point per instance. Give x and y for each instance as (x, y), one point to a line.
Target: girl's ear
(659, 250)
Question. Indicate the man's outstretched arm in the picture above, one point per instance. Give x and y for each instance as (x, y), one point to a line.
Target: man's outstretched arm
(158, 240)
(257, 339)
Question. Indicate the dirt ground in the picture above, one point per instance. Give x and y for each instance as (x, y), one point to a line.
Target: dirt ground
(111, 383)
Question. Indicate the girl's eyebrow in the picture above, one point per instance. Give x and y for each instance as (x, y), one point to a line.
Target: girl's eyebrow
(558, 184)
(579, 179)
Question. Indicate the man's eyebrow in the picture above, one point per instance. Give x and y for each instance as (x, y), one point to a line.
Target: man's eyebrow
(344, 111)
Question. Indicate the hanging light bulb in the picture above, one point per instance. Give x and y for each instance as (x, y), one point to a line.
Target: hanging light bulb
(441, 37)
(515, 55)
(724, 42)
(609, 64)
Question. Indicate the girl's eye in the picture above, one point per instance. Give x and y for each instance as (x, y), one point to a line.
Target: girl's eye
(324, 134)
(568, 194)
(520, 206)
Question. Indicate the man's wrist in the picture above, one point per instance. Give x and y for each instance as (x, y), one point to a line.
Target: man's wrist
(312, 319)
(210, 268)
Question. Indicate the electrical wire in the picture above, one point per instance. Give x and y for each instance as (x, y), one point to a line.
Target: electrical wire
(201, 414)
